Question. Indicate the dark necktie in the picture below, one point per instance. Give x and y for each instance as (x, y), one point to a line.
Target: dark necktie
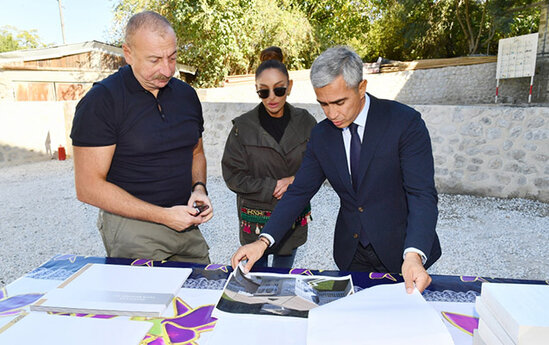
(355, 160)
(355, 154)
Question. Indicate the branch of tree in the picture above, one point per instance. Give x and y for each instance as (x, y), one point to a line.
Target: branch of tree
(526, 7)
(480, 28)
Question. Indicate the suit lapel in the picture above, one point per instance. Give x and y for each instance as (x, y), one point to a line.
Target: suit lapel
(376, 125)
(337, 154)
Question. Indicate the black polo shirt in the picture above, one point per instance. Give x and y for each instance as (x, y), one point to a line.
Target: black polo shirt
(154, 137)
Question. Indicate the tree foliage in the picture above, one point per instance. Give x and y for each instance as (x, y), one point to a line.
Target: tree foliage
(420, 29)
(13, 39)
(336, 22)
(223, 37)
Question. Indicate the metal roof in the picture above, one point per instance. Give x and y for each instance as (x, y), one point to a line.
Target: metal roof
(71, 49)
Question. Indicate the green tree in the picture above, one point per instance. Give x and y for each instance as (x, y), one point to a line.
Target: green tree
(483, 22)
(336, 22)
(421, 29)
(13, 39)
(223, 37)
(412, 29)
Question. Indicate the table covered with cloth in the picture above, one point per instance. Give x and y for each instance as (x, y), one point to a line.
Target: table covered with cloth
(189, 319)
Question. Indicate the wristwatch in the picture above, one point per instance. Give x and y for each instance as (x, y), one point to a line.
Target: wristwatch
(200, 184)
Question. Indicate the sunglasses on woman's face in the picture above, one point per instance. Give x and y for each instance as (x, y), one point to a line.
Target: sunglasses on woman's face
(278, 91)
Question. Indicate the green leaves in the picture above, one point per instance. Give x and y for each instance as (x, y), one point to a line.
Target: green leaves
(223, 37)
(13, 39)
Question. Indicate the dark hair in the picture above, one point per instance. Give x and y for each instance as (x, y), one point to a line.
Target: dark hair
(271, 53)
(271, 57)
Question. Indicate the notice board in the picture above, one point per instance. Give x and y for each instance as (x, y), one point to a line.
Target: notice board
(517, 56)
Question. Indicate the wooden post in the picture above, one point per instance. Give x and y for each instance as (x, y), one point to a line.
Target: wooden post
(62, 23)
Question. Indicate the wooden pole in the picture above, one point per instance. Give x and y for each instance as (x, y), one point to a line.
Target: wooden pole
(62, 24)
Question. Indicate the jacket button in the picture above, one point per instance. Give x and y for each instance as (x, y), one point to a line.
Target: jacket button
(355, 235)
(360, 209)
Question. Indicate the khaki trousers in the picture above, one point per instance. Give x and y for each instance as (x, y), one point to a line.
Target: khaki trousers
(131, 238)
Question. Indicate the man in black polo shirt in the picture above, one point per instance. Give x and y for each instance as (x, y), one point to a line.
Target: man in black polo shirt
(138, 152)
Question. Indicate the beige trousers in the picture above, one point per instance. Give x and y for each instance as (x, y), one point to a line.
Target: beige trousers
(131, 238)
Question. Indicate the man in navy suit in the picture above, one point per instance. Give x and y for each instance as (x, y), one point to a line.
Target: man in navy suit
(377, 156)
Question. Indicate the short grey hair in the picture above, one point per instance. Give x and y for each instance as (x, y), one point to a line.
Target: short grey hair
(149, 20)
(336, 61)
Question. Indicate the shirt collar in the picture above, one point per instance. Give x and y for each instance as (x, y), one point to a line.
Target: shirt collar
(131, 81)
(361, 118)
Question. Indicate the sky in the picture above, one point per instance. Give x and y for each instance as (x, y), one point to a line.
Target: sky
(84, 20)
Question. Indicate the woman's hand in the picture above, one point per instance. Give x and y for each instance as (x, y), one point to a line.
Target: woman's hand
(282, 186)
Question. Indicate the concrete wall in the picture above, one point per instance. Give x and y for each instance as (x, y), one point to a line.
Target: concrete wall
(38, 127)
(494, 150)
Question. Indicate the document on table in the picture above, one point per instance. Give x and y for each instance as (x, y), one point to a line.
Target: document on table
(116, 290)
(515, 313)
(45, 329)
(383, 314)
(279, 295)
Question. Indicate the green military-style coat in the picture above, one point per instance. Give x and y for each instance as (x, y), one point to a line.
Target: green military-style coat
(253, 162)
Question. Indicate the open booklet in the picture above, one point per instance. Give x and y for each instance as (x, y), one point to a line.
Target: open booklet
(115, 290)
(279, 294)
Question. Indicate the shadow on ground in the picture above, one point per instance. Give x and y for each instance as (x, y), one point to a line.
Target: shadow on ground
(13, 155)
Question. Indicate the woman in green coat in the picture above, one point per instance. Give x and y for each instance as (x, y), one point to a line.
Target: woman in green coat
(262, 154)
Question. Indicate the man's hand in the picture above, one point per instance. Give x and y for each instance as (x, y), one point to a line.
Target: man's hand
(180, 217)
(414, 273)
(200, 198)
(252, 252)
(282, 186)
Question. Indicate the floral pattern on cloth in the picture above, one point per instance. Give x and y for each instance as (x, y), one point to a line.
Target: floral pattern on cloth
(10, 306)
(465, 323)
(255, 219)
(184, 328)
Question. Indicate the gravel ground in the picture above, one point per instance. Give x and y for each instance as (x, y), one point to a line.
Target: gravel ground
(40, 217)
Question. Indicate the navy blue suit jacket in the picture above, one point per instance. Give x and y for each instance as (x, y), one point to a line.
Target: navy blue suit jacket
(396, 199)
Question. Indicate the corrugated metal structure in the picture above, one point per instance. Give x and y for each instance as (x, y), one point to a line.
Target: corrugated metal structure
(61, 73)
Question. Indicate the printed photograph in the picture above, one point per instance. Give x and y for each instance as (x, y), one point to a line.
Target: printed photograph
(280, 294)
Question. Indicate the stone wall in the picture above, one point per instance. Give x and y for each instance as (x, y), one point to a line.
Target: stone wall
(473, 84)
(500, 151)
(493, 150)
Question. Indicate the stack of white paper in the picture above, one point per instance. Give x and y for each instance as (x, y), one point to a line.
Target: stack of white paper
(383, 314)
(116, 290)
(45, 329)
(513, 314)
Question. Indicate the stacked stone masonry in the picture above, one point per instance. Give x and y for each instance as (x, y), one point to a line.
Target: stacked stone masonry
(491, 150)
(500, 151)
